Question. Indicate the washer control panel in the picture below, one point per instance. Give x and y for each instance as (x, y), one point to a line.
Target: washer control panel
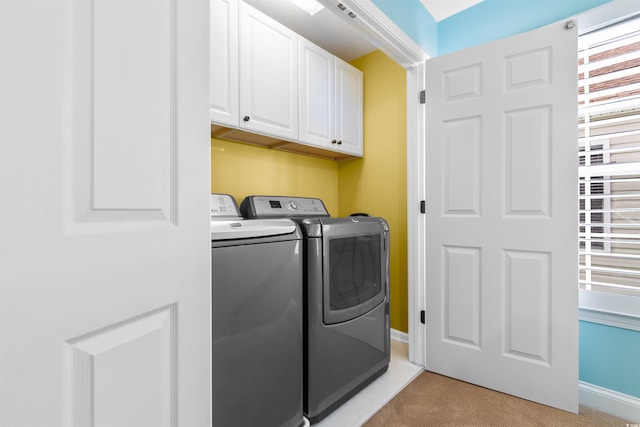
(223, 206)
(282, 207)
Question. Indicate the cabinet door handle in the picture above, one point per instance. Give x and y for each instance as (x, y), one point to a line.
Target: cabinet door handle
(340, 142)
(246, 118)
(334, 141)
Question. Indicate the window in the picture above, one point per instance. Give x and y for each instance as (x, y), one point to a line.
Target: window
(594, 205)
(609, 158)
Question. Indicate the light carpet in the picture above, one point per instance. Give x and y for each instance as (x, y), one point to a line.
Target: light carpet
(436, 400)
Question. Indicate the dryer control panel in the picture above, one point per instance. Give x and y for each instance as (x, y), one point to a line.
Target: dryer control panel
(282, 207)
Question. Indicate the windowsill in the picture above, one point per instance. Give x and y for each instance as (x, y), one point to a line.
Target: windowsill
(621, 311)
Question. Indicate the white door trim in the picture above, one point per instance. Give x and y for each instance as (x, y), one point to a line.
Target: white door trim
(416, 221)
(380, 30)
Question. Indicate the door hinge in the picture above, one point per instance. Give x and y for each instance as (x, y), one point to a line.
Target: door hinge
(423, 316)
(423, 206)
(423, 96)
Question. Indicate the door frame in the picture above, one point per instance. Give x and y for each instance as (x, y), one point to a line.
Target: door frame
(416, 221)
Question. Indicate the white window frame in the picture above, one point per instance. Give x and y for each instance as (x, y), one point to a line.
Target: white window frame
(603, 307)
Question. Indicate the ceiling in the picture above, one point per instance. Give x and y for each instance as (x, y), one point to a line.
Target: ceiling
(326, 28)
(442, 9)
(332, 31)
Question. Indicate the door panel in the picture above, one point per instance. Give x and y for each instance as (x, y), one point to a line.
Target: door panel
(462, 296)
(526, 296)
(462, 163)
(120, 151)
(124, 375)
(501, 245)
(104, 233)
(528, 159)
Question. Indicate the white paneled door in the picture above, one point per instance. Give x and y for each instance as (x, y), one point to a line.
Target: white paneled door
(501, 224)
(104, 232)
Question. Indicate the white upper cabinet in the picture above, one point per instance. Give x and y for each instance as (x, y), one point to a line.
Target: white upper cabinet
(268, 75)
(316, 109)
(223, 87)
(330, 110)
(348, 106)
(269, 86)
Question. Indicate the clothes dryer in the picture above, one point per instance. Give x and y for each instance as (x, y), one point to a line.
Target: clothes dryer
(257, 354)
(346, 294)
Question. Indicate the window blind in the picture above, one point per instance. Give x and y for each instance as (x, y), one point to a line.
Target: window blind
(609, 158)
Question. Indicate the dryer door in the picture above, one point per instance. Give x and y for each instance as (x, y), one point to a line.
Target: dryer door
(355, 260)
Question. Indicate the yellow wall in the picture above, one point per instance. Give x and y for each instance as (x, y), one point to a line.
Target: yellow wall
(242, 170)
(375, 184)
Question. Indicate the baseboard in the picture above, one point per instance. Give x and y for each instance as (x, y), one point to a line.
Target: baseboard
(610, 401)
(399, 336)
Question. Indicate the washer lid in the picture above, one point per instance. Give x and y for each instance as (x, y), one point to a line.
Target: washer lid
(228, 229)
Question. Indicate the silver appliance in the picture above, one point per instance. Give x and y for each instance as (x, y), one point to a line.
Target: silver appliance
(346, 291)
(257, 354)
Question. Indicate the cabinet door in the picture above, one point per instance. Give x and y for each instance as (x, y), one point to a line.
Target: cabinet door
(223, 62)
(316, 109)
(348, 108)
(268, 75)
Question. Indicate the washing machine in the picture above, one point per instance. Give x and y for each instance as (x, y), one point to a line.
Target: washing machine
(257, 354)
(346, 294)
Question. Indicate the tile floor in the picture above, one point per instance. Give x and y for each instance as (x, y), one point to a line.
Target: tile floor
(369, 400)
